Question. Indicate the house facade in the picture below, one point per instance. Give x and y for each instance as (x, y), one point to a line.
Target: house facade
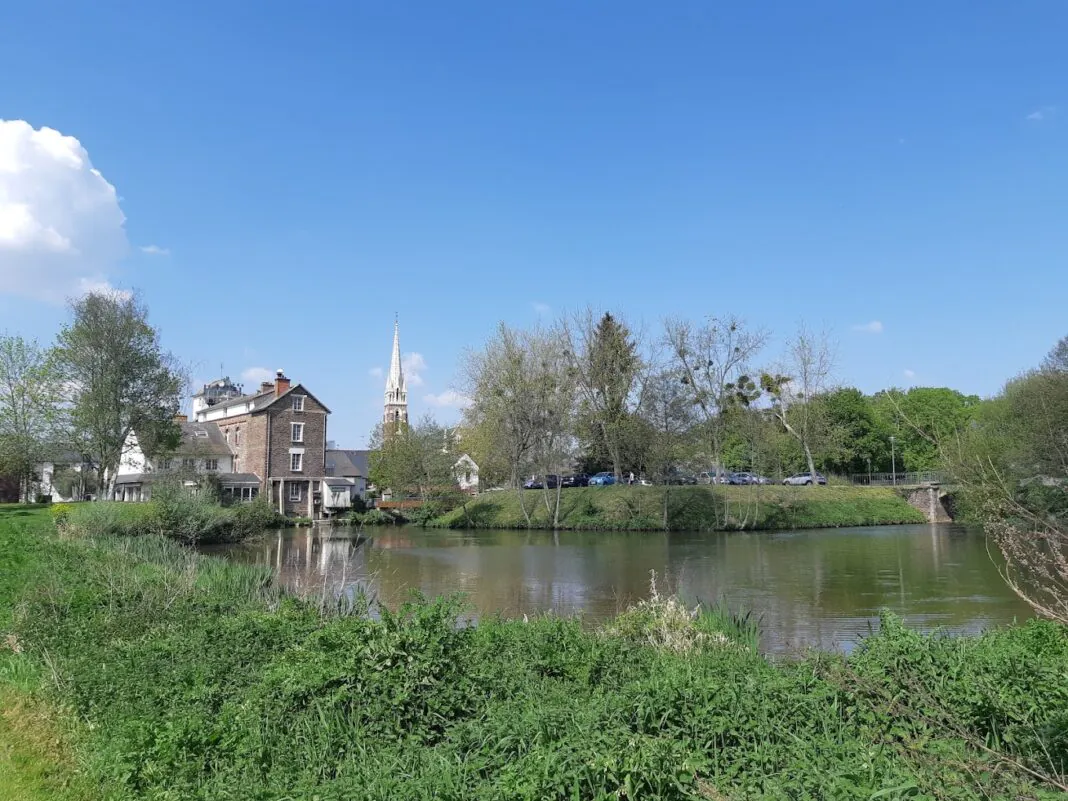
(271, 443)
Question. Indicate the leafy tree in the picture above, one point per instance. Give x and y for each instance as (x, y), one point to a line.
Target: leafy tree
(30, 411)
(1012, 459)
(414, 460)
(859, 437)
(604, 363)
(923, 420)
(119, 380)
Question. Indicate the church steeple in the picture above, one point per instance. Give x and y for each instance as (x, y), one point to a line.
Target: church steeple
(396, 406)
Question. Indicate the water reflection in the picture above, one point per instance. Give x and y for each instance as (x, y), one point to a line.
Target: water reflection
(814, 588)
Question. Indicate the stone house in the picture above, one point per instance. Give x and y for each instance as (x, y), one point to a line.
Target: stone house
(277, 435)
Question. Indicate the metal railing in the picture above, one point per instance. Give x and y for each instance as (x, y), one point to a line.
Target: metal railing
(892, 479)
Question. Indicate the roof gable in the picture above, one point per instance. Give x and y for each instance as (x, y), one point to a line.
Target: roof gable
(286, 394)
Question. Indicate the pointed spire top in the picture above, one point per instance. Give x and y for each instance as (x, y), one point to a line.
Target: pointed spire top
(395, 383)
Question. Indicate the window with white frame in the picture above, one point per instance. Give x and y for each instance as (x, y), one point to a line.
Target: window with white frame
(189, 464)
(297, 430)
(237, 436)
(294, 489)
(296, 462)
(211, 465)
(298, 403)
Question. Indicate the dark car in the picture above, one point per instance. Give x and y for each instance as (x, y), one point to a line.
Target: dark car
(680, 479)
(577, 480)
(550, 481)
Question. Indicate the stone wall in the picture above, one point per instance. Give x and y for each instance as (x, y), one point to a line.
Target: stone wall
(929, 500)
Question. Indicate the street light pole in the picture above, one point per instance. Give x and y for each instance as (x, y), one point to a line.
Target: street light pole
(893, 462)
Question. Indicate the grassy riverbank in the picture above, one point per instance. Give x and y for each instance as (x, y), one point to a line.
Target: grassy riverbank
(174, 676)
(702, 508)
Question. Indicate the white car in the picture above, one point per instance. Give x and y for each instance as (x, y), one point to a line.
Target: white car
(804, 479)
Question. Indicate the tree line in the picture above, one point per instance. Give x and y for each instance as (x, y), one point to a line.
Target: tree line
(590, 393)
(78, 400)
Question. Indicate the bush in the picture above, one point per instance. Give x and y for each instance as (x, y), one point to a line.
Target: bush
(377, 517)
(255, 517)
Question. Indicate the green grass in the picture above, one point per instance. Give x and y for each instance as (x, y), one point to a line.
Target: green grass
(702, 508)
(184, 677)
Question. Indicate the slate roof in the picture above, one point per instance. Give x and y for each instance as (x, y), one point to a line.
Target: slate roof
(347, 463)
(202, 439)
(257, 399)
(286, 394)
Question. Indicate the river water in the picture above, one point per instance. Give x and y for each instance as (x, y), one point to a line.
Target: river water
(820, 588)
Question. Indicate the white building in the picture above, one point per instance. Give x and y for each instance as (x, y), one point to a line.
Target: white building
(202, 450)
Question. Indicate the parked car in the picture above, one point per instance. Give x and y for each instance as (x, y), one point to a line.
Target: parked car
(577, 480)
(710, 477)
(602, 480)
(680, 479)
(551, 481)
(804, 479)
(643, 481)
(750, 478)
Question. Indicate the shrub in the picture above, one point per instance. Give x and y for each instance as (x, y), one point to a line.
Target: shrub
(254, 517)
(377, 517)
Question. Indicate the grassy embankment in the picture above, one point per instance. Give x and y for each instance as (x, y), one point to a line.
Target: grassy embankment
(182, 677)
(702, 508)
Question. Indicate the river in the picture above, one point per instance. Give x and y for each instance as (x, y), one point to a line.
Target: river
(821, 588)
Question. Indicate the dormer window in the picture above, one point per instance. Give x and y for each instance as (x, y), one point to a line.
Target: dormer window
(298, 403)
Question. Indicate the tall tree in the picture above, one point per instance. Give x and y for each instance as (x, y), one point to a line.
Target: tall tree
(1012, 461)
(924, 420)
(606, 367)
(30, 409)
(808, 365)
(119, 380)
(711, 360)
(517, 391)
(414, 460)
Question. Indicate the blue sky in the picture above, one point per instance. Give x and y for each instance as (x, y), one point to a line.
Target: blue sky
(308, 170)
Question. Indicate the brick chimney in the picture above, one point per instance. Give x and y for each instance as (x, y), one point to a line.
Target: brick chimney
(181, 418)
(281, 383)
(266, 386)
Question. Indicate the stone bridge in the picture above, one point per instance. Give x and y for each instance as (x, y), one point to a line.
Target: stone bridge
(926, 491)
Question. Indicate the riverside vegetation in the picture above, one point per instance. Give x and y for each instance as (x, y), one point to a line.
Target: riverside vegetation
(169, 675)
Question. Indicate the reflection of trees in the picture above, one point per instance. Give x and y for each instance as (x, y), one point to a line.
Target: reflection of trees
(810, 588)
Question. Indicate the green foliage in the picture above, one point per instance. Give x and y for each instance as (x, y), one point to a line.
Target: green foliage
(414, 460)
(701, 508)
(924, 420)
(194, 679)
(120, 379)
(173, 512)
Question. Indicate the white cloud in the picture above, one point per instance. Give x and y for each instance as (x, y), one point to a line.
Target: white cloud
(257, 375)
(874, 327)
(376, 372)
(541, 309)
(101, 287)
(60, 221)
(909, 374)
(155, 250)
(1044, 113)
(414, 366)
(450, 398)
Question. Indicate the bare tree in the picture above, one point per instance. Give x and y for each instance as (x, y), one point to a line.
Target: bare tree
(808, 367)
(711, 360)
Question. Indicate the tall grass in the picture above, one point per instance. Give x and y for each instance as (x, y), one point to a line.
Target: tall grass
(195, 681)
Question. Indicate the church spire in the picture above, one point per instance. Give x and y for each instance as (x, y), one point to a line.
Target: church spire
(396, 406)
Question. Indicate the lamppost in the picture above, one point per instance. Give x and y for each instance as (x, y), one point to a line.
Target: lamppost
(893, 462)
(869, 470)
